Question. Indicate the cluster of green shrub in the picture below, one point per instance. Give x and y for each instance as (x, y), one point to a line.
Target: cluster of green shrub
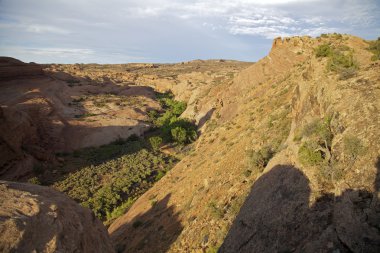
(258, 159)
(119, 173)
(171, 127)
(340, 60)
(309, 154)
(317, 148)
(374, 47)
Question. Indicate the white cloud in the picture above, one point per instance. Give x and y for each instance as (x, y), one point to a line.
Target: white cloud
(45, 29)
(268, 19)
(34, 28)
(173, 30)
(48, 52)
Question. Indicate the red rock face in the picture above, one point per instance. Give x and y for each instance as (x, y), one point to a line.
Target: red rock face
(20, 143)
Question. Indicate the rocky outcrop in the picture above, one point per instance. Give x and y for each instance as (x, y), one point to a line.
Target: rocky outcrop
(39, 219)
(16, 131)
(11, 68)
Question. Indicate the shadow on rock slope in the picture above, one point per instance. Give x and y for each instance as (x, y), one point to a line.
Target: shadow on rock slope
(142, 232)
(276, 217)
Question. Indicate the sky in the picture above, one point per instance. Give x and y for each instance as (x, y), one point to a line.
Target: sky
(165, 31)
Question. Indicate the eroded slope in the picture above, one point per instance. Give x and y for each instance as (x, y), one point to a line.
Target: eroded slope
(290, 109)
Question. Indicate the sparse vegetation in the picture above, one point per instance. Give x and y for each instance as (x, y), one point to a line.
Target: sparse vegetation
(319, 130)
(215, 210)
(340, 60)
(236, 204)
(309, 154)
(324, 50)
(374, 47)
(211, 125)
(317, 147)
(353, 147)
(279, 127)
(260, 158)
(116, 175)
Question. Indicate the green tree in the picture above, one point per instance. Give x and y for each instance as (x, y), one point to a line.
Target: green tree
(155, 142)
(179, 135)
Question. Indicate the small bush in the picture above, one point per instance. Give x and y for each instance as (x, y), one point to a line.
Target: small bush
(179, 135)
(318, 130)
(181, 131)
(340, 60)
(331, 173)
(337, 36)
(247, 173)
(167, 101)
(309, 155)
(323, 50)
(120, 210)
(34, 180)
(374, 47)
(155, 142)
(212, 249)
(353, 147)
(216, 212)
(347, 73)
(159, 175)
(153, 115)
(259, 159)
(211, 125)
(236, 204)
